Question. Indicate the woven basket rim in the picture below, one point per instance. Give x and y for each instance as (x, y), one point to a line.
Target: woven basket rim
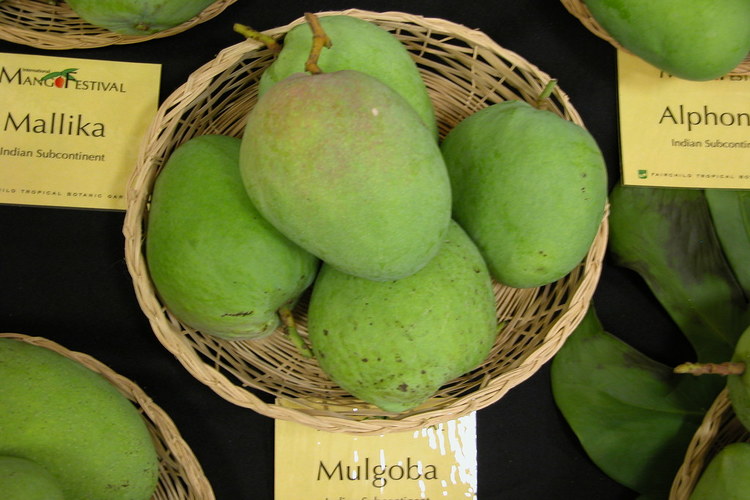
(579, 10)
(194, 478)
(719, 425)
(57, 27)
(164, 124)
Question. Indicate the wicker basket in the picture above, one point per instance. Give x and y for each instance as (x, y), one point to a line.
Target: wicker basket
(39, 24)
(579, 10)
(464, 71)
(180, 475)
(719, 428)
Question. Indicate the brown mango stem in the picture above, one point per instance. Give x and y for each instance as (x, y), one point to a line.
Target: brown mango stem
(726, 368)
(252, 34)
(320, 40)
(287, 318)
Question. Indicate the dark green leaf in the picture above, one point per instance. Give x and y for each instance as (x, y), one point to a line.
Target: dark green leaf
(632, 415)
(730, 212)
(667, 236)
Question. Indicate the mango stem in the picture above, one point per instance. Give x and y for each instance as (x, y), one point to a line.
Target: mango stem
(546, 91)
(252, 34)
(726, 368)
(320, 40)
(287, 318)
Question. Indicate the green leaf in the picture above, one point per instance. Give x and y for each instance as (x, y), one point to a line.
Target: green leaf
(54, 74)
(67, 73)
(632, 415)
(730, 212)
(667, 236)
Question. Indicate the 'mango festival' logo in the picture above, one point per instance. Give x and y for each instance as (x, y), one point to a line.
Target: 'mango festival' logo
(61, 78)
(65, 79)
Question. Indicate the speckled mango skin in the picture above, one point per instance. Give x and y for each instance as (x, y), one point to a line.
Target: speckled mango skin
(22, 479)
(74, 423)
(529, 187)
(359, 45)
(343, 166)
(138, 17)
(216, 263)
(394, 343)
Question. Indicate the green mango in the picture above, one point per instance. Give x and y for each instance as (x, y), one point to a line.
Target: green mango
(359, 45)
(690, 39)
(395, 343)
(216, 263)
(341, 164)
(22, 479)
(727, 475)
(137, 17)
(739, 385)
(529, 187)
(75, 424)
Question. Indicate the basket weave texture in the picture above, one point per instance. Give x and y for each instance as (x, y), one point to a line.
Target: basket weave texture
(464, 71)
(181, 477)
(579, 10)
(719, 428)
(39, 24)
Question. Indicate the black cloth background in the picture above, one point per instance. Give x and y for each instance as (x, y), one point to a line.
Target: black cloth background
(63, 274)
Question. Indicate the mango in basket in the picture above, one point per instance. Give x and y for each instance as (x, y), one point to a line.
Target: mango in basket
(75, 424)
(359, 45)
(727, 476)
(137, 17)
(22, 479)
(738, 384)
(691, 39)
(343, 166)
(737, 376)
(216, 263)
(394, 343)
(529, 187)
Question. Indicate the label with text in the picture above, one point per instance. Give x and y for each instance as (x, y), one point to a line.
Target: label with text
(432, 463)
(682, 133)
(70, 129)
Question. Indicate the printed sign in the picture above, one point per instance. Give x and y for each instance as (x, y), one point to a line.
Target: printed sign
(70, 129)
(434, 463)
(682, 133)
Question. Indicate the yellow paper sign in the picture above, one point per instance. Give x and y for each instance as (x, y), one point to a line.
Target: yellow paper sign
(434, 463)
(70, 129)
(681, 133)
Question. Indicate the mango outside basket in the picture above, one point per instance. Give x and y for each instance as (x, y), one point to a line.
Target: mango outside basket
(180, 475)
(464, 71)
(39, 24)
(719, 428)
(579, 10)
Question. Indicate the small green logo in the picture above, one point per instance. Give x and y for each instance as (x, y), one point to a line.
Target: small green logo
(61, 78)
(642, 174)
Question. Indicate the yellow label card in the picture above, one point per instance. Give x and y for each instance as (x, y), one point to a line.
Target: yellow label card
(681, 133)
(434, 463)
(70, 129)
